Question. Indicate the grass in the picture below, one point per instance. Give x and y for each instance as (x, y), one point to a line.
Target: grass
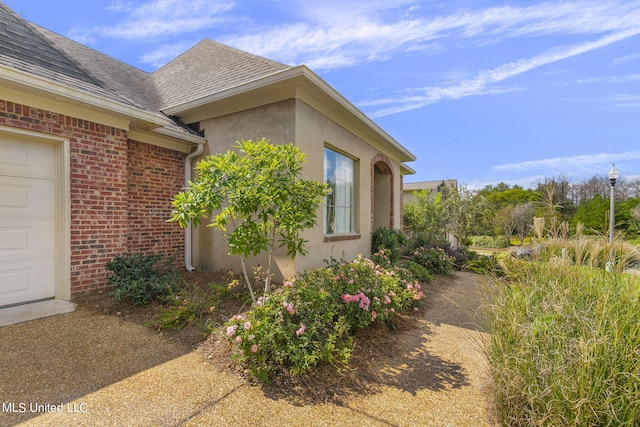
(593, 252)
(565, 346)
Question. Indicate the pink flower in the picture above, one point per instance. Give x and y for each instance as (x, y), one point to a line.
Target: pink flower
(247, 326)
(387, 300)
(289, 307)
(231, 330)
(301, 330)
(254, 348)
(373, 315)
(238, 339)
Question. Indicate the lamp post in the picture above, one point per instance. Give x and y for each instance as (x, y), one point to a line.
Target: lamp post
(613, 177)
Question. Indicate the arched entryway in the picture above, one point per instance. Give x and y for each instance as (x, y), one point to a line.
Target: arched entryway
(382, 211)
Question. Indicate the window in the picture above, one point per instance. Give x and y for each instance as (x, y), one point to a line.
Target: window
(340, 203)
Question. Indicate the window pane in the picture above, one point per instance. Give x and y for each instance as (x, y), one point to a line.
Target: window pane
(339, 205)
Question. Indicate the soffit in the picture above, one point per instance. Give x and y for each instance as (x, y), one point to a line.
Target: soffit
(294, 83)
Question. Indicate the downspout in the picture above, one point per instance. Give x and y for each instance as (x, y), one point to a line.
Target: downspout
(188, 231)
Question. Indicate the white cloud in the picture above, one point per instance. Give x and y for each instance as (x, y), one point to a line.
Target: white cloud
(339, 34)
(479, 84)
(573, 162)
(627, 58)
(159, 18)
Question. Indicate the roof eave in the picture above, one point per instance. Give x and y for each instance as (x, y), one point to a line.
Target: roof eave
(296, 82)
(71, 98)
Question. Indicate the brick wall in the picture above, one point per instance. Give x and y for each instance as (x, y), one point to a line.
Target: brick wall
(155, 175)
(385, 169)
(105, 220)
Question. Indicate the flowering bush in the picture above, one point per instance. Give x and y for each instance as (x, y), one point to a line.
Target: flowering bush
(313, 320)
(435, 260)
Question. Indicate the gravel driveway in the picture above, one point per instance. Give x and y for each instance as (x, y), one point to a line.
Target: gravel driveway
(82, 368)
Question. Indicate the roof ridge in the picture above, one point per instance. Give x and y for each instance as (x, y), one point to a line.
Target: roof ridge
(224, 46)
(207, 68)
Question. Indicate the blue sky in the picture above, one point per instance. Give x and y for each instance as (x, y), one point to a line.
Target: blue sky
(480, 91)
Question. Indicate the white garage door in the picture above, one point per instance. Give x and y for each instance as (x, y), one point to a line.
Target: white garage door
(27, 220)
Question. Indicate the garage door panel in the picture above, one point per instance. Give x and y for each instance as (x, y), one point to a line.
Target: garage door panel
(23, 280)
(26, 238)
(26, 197)
(28, 192)
(27, 158)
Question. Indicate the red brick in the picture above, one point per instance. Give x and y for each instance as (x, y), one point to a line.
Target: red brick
(121, 192)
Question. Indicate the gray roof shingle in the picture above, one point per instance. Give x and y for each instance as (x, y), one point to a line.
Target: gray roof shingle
(131, 84)
(205, 69)
(208, 68)
(21, 42)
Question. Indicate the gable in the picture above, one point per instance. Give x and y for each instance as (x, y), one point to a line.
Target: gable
(208, 68)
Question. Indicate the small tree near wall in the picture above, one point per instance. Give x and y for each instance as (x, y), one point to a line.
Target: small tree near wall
(256, 197)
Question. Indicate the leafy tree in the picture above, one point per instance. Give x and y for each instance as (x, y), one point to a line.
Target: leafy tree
(464, 210)
(499, 201)
(259, 194)
(426, 216)
(628, 216)
(511, 197)
(593, 214)
(504, 220)
(522, 218)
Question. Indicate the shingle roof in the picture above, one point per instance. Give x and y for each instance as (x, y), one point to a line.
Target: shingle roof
(428, 185)
(22, 43)
(124, 81)
(207, 68)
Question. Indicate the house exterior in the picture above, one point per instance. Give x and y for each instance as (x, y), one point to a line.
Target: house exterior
(93, 150)
(432, 186)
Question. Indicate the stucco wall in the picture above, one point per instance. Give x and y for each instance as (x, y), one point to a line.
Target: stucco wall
(295, 121)
(275, 122)
(314, 131)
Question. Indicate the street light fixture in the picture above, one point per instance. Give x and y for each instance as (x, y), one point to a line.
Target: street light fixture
(613, 177)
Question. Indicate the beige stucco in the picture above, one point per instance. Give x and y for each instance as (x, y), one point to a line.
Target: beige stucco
(295, 121)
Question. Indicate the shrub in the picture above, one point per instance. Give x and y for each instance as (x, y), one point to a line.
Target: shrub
(313, 320)
(461, 255)
(142, 278)
(564, 346)
(485, 264)
(501, 241)
(497, 242)
(482, 241)
(390, 240)
(435, 260)
(418, 271)
(193, 305)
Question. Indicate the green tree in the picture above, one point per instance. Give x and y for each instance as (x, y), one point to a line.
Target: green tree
(522, 218)
(593, 214)
(425, 216)
(259, 194)
(628, 216)
(500, 201)
(464, 210)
